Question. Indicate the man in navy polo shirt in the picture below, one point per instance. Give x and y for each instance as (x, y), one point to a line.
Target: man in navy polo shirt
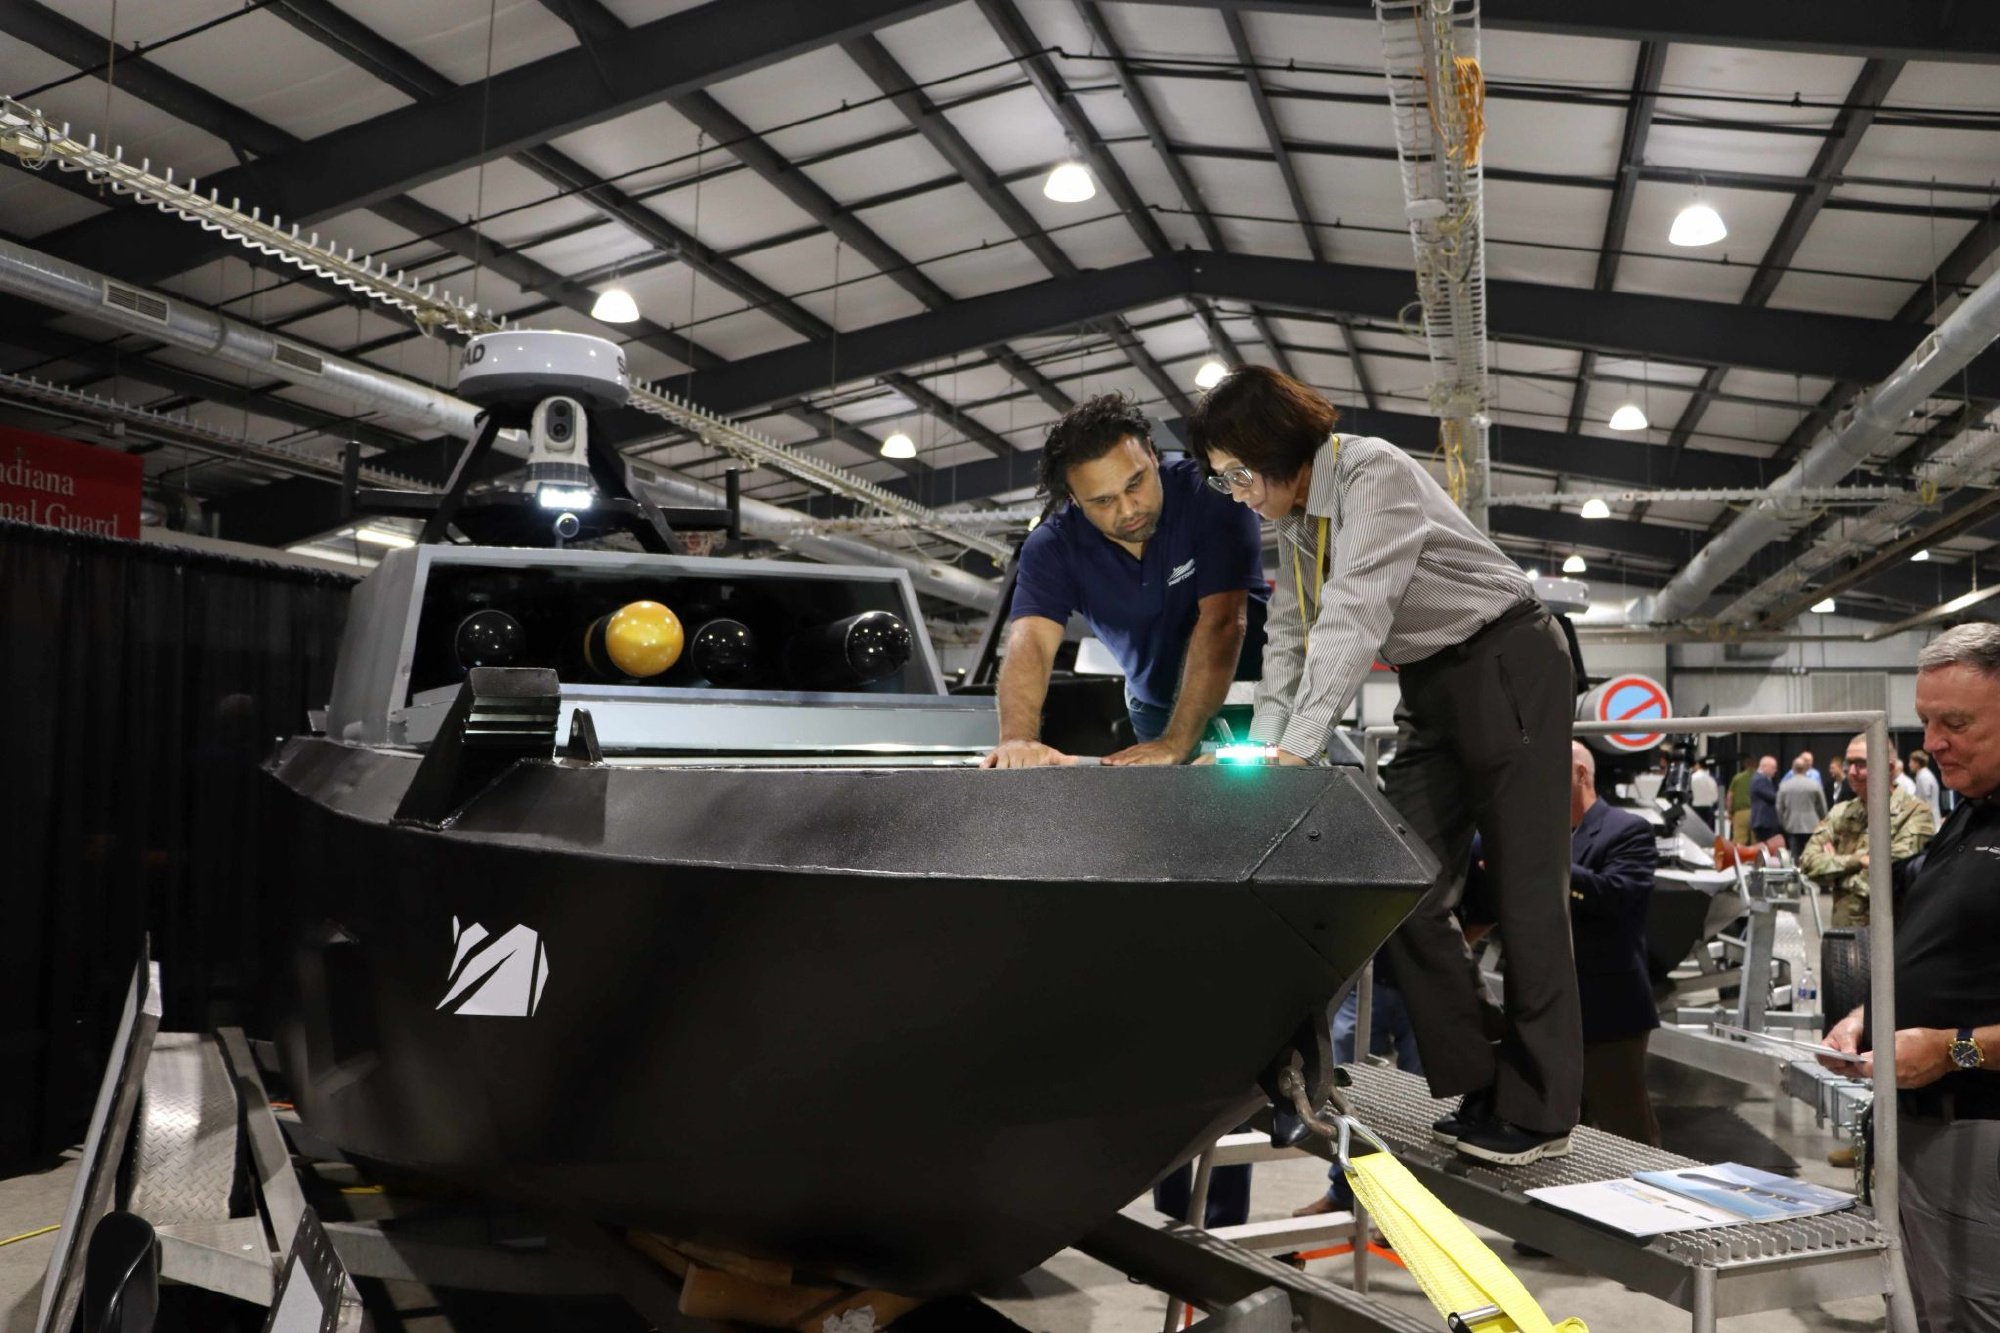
(1161, 567)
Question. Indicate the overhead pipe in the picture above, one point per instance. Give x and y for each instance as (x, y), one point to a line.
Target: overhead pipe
(67, 286)
(764, 519)
(1943, 353)
(63, 285)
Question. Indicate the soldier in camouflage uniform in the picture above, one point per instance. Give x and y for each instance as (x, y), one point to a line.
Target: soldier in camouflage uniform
(1836, 858)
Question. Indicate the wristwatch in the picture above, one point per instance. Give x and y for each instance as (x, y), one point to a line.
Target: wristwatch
(1965, 1052)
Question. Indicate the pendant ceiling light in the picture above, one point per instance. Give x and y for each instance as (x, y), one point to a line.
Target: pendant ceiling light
(899, 445)
(1629, 417)
(614, 305)
(1575, 565)
(1696, 225)
(1070, 183)
(1596, 508)
(1210, 374)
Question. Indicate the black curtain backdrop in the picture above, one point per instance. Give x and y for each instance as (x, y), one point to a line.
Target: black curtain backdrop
(144, 684)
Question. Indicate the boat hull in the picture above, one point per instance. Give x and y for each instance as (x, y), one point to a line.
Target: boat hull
(906, 1028)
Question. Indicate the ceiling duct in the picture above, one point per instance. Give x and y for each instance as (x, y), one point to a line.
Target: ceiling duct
(36, 141)
(1963, 335)
(66, 286)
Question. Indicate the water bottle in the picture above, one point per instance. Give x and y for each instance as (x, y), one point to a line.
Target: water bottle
(1805, 995)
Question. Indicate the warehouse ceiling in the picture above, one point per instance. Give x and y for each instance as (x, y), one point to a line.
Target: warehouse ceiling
(832, 219)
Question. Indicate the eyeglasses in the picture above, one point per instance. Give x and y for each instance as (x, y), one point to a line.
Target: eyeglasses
(1237, 478)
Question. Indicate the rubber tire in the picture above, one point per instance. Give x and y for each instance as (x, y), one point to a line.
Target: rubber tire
(1843, 972)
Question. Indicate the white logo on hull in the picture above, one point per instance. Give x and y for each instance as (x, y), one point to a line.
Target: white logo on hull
(498, 978)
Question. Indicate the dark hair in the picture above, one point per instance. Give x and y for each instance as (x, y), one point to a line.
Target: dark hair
(1265, 419)
(1085, 434)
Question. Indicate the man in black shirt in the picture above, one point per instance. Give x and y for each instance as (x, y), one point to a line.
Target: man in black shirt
(1947, 1054)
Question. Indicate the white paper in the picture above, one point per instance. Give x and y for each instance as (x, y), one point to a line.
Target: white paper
(1632, 1207)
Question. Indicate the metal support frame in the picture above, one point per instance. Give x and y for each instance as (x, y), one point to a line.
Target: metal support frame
(1667, 328)
(1020, 41)
(460, 1246)
(1912, 29)
(1882, 962)
(1864, 99)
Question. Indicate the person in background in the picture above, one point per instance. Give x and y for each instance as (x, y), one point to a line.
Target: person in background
(1764, 822)
(1837, 789)
(1703, 791)
(1905, 783)
(1736, 801)
(1926, 783)
(1947, 1044)
(1836, 856)
(1613, 857)
(1812, 770)
(1801, 804)
(1376, 562)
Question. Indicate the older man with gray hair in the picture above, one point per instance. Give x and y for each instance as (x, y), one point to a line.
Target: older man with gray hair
(1947, 1051)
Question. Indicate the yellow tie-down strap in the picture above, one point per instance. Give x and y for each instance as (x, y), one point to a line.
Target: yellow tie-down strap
(1462, 1277)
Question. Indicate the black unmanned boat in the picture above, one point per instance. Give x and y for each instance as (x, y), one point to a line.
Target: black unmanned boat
(771, 965)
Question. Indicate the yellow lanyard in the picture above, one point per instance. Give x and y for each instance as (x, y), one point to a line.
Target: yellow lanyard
(1319, 580)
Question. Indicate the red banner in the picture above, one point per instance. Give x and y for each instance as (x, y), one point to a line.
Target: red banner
(59, 483)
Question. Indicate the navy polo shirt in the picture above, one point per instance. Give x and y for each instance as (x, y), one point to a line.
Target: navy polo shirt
(1144, 610)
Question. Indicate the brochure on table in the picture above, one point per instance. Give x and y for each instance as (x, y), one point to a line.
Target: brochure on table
(1691, 1198)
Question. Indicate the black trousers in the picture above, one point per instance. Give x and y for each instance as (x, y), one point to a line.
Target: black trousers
(1615, 1099)
(1483, 745)
(1228, 1195)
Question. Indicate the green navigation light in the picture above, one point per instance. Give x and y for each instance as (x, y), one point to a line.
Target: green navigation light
(1245, 754)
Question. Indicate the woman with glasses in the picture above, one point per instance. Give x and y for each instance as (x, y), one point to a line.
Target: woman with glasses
(1375, 562)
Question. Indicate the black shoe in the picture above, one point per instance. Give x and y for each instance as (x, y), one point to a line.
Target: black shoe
(1507, 1144)
(1473, 1108)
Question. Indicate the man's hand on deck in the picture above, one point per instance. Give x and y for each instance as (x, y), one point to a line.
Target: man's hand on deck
(1025, 754)
(1151, 752)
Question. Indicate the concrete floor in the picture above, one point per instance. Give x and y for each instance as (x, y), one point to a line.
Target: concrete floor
(1074, 1294)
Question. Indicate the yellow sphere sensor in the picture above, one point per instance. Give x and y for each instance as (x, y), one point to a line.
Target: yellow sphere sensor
(643, 638)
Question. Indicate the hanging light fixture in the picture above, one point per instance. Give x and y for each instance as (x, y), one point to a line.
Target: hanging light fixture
(899, 445)
(1596, 508)
(1823, 607)
(1070, 183)
(614, 305)
(1210, 374)
(1921, 556)
(1575, 565)
(1697, 224)
(1629, 417)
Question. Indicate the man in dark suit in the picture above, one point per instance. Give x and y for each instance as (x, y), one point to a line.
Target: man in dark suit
(1612, 860)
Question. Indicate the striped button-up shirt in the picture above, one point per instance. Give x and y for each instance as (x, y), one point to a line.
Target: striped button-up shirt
(1408, 575)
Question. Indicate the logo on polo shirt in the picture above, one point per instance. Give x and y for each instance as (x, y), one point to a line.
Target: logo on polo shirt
(1180, 572)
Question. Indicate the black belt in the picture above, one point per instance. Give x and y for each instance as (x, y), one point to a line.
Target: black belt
(1948, 1105)
(1521, 613)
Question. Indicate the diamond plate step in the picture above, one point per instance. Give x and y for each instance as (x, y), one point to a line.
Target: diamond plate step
(184, 1143)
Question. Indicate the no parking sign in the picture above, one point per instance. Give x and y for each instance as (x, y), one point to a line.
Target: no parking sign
(1630, 698)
